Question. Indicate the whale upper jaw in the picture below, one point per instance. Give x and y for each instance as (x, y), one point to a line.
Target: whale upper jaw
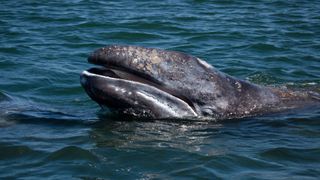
(131, 94)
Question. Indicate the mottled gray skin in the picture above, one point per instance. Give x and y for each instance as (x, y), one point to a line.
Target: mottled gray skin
(148, 82)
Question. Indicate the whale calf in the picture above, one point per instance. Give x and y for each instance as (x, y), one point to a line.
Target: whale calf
(156, 83)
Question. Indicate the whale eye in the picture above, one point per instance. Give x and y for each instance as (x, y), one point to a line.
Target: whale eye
(208, 111)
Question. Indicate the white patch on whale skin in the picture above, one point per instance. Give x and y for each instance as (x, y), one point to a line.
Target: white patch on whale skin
(84, 80)
(239, 86)
(160, 104)
(163, 105)
(222, 103)
(117, 89)
(87, 73)
(204, 63)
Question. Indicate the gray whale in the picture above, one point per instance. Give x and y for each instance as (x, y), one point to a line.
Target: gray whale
(155, 83)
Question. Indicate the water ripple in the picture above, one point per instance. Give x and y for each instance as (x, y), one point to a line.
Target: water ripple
(49, 125)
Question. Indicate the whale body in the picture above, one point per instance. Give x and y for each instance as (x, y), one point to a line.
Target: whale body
(156, 83)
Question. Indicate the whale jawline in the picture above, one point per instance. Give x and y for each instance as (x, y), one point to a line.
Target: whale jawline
(128, 76)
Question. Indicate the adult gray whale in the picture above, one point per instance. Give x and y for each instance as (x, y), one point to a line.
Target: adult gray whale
(149, 82)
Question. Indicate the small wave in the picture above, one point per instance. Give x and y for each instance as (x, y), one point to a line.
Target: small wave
(72, 153)
(263, 47)
(300, 35)
(10, 50)
(292, 154)
(133, 35)
(4, 96)
(17, 151)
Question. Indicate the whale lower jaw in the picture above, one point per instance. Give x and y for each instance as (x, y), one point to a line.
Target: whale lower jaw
(134, 95)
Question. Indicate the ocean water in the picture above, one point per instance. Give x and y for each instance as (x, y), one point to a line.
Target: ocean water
(50, 129)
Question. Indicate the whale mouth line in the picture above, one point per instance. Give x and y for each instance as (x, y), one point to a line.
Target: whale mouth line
(129, 76)
(121, 74)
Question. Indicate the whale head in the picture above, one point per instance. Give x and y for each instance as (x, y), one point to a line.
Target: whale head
(149, 82)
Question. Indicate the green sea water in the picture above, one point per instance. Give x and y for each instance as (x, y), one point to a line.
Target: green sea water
(51, 129)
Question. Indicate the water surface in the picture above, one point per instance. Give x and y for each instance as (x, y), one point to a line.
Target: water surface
(49, 128)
